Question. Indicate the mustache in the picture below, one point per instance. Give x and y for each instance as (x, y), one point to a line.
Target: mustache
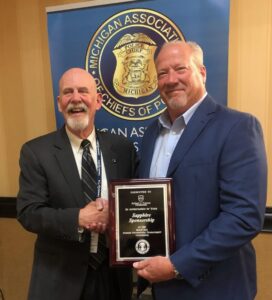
(174, 88)
(81, 107)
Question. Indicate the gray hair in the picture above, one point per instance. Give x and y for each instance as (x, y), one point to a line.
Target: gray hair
(197, 52)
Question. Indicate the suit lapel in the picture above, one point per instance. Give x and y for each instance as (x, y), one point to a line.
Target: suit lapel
(67, 164)
(203, 114)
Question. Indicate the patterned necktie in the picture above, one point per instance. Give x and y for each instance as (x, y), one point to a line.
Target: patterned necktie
(88, 173)
(89, 185)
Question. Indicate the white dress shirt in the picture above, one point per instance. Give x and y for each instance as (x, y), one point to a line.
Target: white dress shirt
(168, 138)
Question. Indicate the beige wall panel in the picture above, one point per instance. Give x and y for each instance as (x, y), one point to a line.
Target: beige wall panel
(31, 65)
(263, 246)
(25, 84)
(250, 65)
(11, 95)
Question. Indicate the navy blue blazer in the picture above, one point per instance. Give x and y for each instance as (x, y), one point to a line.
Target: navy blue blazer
(219, 176)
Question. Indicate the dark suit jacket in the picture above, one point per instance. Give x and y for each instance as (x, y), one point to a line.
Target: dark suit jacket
(219, 180)
(48, 204)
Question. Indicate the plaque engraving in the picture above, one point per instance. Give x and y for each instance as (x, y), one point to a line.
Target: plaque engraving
(141, 219)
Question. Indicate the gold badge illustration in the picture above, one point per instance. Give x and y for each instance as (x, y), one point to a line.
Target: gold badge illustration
(135, 73)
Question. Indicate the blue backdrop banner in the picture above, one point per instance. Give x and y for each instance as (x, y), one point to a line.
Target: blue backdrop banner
(117, 43)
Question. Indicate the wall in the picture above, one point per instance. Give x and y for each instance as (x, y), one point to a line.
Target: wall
(26, 100)
(250, 65)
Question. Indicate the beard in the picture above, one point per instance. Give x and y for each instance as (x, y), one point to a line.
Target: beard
(77, 123)
(177, 103)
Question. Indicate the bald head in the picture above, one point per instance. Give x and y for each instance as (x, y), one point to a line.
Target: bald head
(78, 74)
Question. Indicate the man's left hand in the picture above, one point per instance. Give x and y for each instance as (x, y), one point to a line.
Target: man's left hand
(155, 269)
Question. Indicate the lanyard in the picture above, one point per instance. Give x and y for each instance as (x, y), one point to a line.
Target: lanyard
(99, 169)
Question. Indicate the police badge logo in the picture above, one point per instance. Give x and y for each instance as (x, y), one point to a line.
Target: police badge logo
(120, 57)
(142, 246)
(135, 73)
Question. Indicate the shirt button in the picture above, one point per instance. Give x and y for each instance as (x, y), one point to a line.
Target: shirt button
(168, 154)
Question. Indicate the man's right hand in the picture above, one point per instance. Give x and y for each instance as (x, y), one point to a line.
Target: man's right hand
(95, 215)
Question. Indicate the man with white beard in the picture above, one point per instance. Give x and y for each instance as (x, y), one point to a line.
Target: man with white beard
(53, 203)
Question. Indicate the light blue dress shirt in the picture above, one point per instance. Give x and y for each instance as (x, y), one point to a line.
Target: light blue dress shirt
(168, 138)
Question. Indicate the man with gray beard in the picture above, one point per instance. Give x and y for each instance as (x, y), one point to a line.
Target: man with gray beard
(53, 201)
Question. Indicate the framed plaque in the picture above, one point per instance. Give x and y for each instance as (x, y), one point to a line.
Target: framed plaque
(141, 221)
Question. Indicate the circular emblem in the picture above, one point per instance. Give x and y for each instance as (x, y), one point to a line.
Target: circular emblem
(120, 57)
(142, 246)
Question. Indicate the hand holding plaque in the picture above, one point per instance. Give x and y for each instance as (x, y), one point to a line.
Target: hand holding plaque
(141, 219)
